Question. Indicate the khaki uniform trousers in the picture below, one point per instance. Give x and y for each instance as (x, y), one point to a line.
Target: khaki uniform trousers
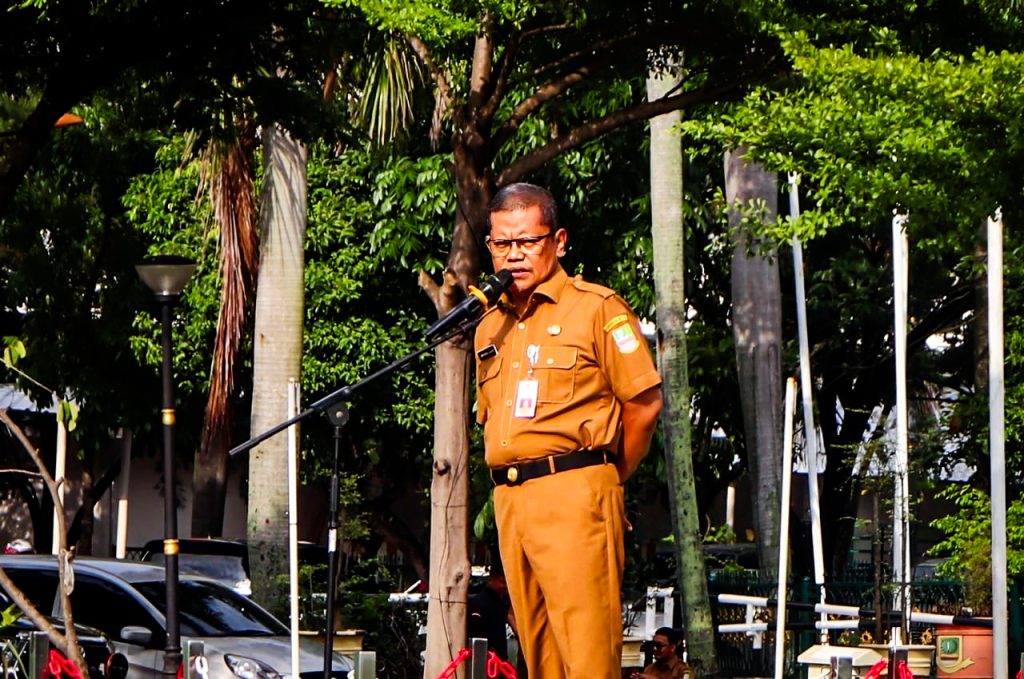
(561, 541)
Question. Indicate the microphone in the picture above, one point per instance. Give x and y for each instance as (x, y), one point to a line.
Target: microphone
(476, 303)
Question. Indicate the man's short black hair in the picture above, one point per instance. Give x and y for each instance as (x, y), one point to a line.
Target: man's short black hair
(523, 196)
(669, 633)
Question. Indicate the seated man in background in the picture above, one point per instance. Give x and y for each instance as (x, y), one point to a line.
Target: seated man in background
(667, 664)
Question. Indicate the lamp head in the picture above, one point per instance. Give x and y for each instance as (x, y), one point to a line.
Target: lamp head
(166, 275)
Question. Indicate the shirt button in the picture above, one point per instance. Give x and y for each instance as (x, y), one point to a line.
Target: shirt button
(515, 364)
(508, 403)
(550, 361)
(504, 443)
(522, 326)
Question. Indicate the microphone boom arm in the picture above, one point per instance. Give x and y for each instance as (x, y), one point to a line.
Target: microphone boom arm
(344, 393)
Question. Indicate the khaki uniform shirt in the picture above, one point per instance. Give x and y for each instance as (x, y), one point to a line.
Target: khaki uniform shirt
(588, 358)
(677, 670)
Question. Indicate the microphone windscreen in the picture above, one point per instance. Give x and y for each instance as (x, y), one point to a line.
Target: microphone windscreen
(496, 284)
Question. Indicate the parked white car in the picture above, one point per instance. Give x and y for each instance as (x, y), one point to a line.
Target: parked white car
(126, 600)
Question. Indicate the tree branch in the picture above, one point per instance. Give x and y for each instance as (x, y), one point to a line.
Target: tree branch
(595, 128)
(602, 46)
(20, 471)
(423, 52)
(483, 55)
(600, 51)
(432, 289)
(68, 642)
(505, 64)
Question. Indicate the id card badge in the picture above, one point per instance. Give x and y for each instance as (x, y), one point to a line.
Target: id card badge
(526, 398)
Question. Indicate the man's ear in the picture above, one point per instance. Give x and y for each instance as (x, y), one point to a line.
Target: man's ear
(561, 239)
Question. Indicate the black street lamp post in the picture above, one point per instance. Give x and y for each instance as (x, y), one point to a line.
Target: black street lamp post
(166, 276)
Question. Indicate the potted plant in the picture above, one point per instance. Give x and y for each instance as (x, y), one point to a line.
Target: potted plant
(965, 651)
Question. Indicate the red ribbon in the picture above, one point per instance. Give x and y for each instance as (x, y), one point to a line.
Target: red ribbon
(449, 671)
(58, 665)
(495, 665)
(902, 670)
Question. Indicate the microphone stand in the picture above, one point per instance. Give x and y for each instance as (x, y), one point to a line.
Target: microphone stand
(336, 402)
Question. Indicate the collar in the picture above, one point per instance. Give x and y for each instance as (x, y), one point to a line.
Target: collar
(550, 289)
(667, 664)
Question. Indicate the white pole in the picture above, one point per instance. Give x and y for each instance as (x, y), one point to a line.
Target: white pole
(121, 545)
(293, 521)
(730, 506)
(787, 482)
(59, 472)
(997, 444)
(901, 510)
(810, 431)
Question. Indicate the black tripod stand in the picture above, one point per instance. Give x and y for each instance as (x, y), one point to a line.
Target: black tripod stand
(335, 404)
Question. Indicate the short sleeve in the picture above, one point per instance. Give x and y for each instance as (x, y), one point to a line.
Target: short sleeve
(622, 350)
(481, 400)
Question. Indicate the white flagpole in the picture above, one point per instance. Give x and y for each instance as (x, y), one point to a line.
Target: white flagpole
(901, 512)
(787, 482)
(293, 522)
(810, 431)
(997, 445)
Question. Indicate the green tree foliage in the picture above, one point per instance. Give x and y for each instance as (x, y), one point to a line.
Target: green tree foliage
(362, 313)
(938, 137)
(872, 127)
(968, 543)
(59, 55)
(69, 289)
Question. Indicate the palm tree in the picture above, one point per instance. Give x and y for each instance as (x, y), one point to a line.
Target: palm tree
(668, 233)
(752, 192)
(277, 349)
(229, 173)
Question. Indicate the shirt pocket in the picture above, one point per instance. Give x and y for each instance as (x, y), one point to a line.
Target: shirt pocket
(556, 373)
(489, 384)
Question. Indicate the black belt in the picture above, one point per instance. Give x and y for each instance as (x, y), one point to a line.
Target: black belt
(521, 472)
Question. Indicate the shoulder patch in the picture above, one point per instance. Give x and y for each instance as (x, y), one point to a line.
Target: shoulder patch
(616, 322)
(584, 286)
(625, 339)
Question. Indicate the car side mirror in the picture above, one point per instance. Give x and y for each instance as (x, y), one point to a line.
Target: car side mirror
(116, 667)
(137, 635)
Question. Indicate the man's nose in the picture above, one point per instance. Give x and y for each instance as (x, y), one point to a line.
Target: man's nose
(515, 251)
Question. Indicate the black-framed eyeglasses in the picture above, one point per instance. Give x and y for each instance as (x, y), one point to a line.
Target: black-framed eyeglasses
(528, 244)
(657, 645)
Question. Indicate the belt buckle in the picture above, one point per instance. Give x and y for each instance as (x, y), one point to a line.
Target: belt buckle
(512, 474)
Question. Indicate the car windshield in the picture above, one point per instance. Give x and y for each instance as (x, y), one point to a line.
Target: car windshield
(222, 568)
(209, 610)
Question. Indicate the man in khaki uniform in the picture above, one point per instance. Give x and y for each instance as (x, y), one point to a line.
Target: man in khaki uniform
(569, 398)
(667, 664)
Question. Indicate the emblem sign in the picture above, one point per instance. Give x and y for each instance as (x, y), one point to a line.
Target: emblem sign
(951, 654)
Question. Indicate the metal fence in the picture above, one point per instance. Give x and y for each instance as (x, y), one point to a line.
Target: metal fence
(739, 654)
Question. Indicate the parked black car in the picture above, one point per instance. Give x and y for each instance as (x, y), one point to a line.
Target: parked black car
(100, 657)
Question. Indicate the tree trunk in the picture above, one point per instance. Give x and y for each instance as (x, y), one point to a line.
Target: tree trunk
(209, 474)
(449, 488)
(449, 512)
(668, 235)
(277, 352)
(757, 333)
